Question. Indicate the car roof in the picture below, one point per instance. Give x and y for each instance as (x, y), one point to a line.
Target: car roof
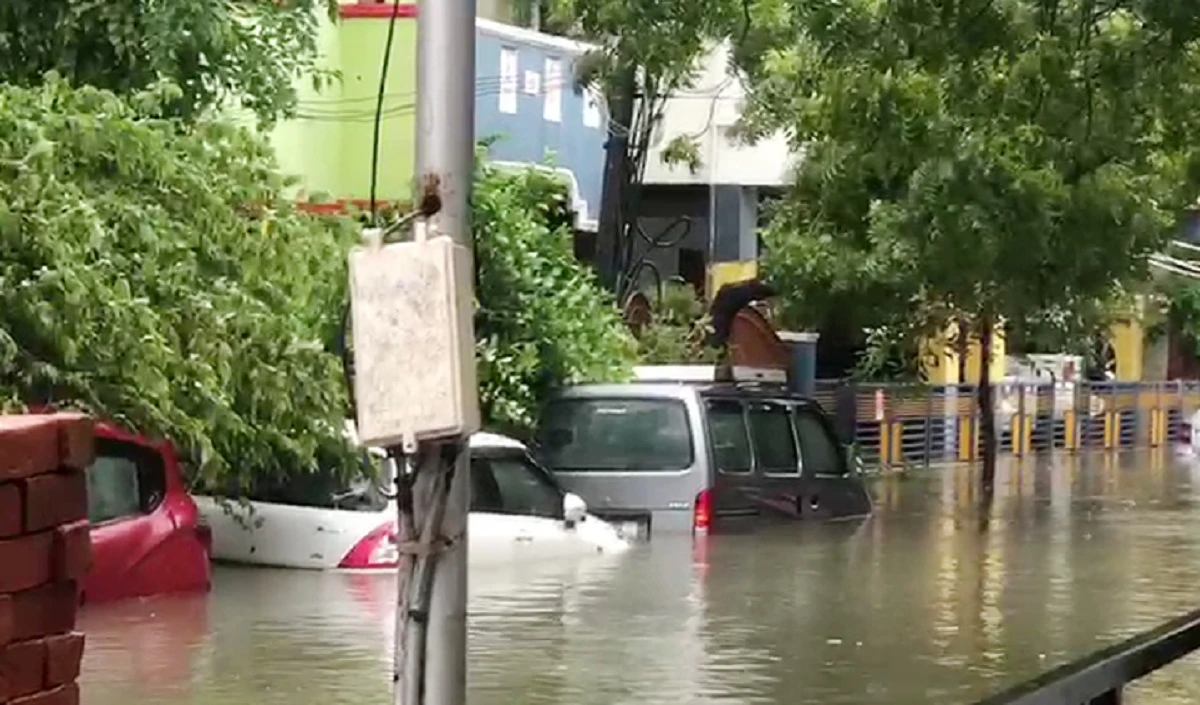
(483, 439)
(480, 441)
(682, 390)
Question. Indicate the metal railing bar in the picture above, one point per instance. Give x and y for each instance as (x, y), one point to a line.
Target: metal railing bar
(1100, 676)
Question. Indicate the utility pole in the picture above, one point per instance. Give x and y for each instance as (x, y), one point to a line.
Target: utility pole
(431, 619)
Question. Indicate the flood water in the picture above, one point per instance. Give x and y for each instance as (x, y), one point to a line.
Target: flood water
(928, 601)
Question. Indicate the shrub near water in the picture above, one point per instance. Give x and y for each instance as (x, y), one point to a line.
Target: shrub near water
(545, 320)
(153, 274)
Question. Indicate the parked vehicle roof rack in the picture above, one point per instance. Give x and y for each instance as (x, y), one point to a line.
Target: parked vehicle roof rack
(738, 374)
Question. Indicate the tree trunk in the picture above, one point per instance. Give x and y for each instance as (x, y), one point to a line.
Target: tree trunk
(987, 409)
(611, 229)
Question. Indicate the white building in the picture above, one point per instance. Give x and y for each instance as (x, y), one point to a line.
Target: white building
(724, 195)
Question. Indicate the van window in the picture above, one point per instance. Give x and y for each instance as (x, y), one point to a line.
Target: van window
(727, 436)
(616, 434)
(818, 449)
(774, 441)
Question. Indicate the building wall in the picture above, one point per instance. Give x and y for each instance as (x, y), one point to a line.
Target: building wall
(733, 176)
(706, 112)
(533, 116)
(328, 145)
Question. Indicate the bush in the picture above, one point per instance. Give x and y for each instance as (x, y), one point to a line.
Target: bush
(154, 274)
(544, 320)
(676, 334)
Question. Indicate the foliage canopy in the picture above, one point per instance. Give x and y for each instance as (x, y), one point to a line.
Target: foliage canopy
(157, 276)
(1008, 160)
(247, 51)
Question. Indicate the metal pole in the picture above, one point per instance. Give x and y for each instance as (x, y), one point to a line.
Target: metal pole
(435, 635)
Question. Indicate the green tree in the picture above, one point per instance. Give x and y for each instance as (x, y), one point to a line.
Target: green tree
(544, 320)
(158, 277)
(984, 161)
(249, 52)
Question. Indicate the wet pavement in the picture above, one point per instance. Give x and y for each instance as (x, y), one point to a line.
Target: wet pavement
(928, 601)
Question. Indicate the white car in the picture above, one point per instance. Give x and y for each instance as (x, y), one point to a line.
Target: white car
(518, 513)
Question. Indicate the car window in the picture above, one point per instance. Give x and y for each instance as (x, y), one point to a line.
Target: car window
(513, 485)
(774, 441)
(616, 434)
(485, 493)
(728, 438)
(818, 449)
(125, 480)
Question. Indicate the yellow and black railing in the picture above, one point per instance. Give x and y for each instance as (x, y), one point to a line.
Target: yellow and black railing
(897, 425)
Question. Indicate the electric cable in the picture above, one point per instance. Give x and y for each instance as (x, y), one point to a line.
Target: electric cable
(383, 73)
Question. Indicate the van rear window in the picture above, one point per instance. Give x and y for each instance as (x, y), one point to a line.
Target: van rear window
(616, 435)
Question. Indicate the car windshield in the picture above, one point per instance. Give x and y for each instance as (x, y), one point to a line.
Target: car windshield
(325, 490)
(616, 435)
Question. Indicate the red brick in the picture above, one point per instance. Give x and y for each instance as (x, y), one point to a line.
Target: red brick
(6, 620)
(62, 695)
(76, 441)
(72, 551)
(53, 499)
(29, 445)
(27, 561)
(11, 510)
(63, 657)
(44, 611)
(23, 666)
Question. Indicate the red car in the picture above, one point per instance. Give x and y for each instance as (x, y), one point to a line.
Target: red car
(147, 537)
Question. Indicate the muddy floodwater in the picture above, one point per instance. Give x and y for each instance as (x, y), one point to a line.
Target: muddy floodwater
(929, 601)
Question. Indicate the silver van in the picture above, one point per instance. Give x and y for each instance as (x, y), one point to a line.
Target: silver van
(686, 457)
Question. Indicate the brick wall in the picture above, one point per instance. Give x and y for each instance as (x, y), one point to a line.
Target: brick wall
(45, 551)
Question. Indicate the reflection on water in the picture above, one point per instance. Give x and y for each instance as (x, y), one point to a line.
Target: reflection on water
(928, 601)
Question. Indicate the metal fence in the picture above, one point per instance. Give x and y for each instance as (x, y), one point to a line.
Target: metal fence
(1101, 677)
(897, 425)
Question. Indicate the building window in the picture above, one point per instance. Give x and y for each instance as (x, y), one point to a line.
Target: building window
(508, 81)
(533, 83)
(552, 82)
(591, 108)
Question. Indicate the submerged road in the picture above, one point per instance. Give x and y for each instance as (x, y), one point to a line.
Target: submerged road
(929, 601)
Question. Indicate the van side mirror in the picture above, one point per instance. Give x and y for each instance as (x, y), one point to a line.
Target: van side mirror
(574, 509)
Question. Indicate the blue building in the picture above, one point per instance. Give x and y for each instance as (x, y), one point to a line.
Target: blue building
(527, 101)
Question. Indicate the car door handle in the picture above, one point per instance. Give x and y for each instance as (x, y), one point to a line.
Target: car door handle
(524, 538)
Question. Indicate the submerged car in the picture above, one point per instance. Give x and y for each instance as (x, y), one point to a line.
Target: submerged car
(677, 457)
(518, 513)
(147, 536)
